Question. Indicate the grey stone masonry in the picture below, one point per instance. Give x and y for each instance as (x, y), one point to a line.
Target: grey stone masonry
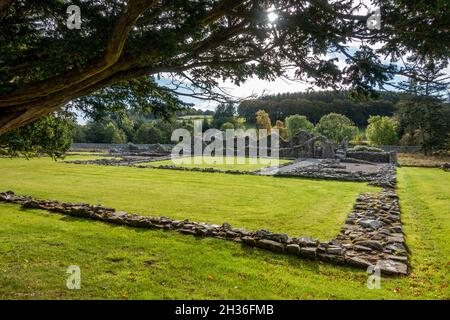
(372, 234)
(384, 175)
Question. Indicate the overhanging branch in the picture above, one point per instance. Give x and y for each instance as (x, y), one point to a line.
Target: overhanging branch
(111, 55)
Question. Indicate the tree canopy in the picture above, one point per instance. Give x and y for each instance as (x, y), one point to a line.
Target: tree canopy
(51, 135)
(125, 46)
(381, 131)
(314, 105)
(423, 115)
(337, 127)
(297, 123)
(225, 112)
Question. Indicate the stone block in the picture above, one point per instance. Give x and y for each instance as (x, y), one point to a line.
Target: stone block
(293, 249)
(308, 252)
(270, 245)
(373, 244)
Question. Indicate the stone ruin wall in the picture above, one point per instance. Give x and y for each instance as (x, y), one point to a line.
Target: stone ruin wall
(302, 145)
(371, 236)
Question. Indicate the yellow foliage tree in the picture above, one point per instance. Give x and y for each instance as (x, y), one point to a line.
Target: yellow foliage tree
(281, 129)
(263, 120)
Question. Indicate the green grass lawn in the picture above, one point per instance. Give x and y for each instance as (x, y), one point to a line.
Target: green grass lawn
(425, 203)
(293, 206)
(218, 163)
(71, 156)
(125, 263)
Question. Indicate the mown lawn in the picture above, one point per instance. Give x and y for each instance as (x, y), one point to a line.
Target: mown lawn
(425, 202)
(293, 206)
(420, 160)
(218, 163)
(125, 263)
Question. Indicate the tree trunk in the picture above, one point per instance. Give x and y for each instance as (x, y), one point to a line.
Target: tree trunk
(35, 100)
(14, 118)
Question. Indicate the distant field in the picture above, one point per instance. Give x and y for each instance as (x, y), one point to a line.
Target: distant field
(420, 160)
(219, 163)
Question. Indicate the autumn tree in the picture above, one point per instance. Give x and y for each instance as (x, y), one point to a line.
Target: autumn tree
(283, 131)
(263, 121)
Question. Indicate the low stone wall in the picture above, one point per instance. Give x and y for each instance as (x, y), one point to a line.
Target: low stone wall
(209, 170)
(120, 161)
(378, 157)
(403, 149)
(372, 235)
(385, 177)
(108, 146)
